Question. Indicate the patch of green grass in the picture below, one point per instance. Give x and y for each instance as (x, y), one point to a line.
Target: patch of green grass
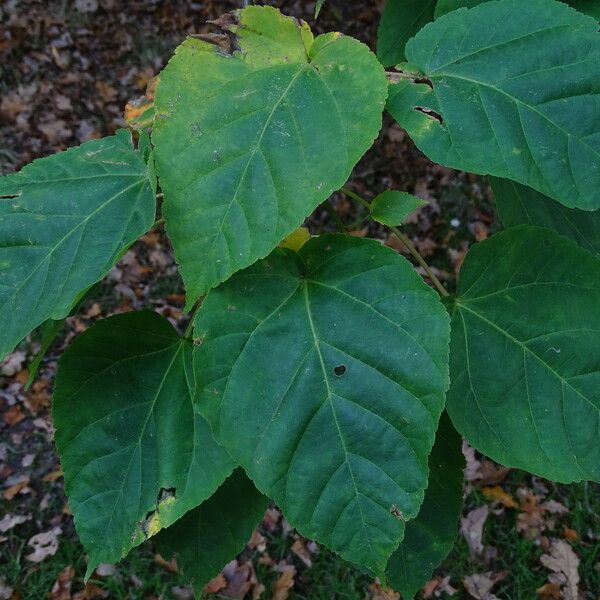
(136, 577)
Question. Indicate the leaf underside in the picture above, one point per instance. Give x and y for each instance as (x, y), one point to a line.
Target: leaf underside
(248, 144)
(525, 354)
(135, 453)
(64, 222)
(520, 205)
(431, 536)
(209, 536)
(513, 90)
(323, 373)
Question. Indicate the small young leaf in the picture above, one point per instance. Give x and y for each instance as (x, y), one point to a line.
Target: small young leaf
(209, 536)
(525, 354)
(135, 453)
(393, 207)
(400, 21)
(323, 373)
(250, 143)
(64, 221)
(318, 7)
(588, 7)
(520, 205)
(510, 89)
(430, 537)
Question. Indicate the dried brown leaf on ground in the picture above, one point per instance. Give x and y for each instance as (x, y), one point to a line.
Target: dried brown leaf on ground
(216, 584)
(300, 550)
(61, 590)
(471, 527)
(377, 592)
(497, 494)
(564, 564)
(12, 364)
(549, 591)
(43, 545)
(241, 579)
(12, 490)
(438, 586)
(480, 585)
(6, 592)
(7, 522)
(284, 583)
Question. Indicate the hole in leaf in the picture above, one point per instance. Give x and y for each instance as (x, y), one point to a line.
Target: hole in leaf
(430, 113)
(9, 196)
(339, 370)
(424, 80)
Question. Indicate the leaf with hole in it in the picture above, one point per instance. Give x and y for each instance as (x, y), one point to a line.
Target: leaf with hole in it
(400, 21)
(323, 373)
(248, 144)
(511, 89)
(393, 208)
(64, 222)
(521, 205)
(588, 7)
(209, 536)
(431, 535)
(135, 454)
(525, 354)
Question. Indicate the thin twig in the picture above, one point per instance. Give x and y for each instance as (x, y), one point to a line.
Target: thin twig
(334, 215)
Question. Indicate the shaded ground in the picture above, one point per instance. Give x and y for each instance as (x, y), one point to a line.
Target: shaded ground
(67, 69)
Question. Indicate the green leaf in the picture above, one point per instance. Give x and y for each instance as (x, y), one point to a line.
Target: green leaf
(520, 205)
(49, 331)
(445, 6)
(247, 145)
(430, 537)
(323, 373)
(208, 537)
(318, 7)
(135, 453)
(525, 354)
(513, 90)
(588, 7)
(400, 21)
(64, 221)
(393, 208)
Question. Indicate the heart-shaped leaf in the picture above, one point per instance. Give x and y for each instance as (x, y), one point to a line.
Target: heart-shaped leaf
(248, 144)
(209, 536)
(520, 205)
(135, 453)
(64, 222)
(513, 90)
(430, 537)
(525, 354)
(323, 372)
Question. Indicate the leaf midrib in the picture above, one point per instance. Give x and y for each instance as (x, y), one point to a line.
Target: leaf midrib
(333, 412)
(253, 152)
